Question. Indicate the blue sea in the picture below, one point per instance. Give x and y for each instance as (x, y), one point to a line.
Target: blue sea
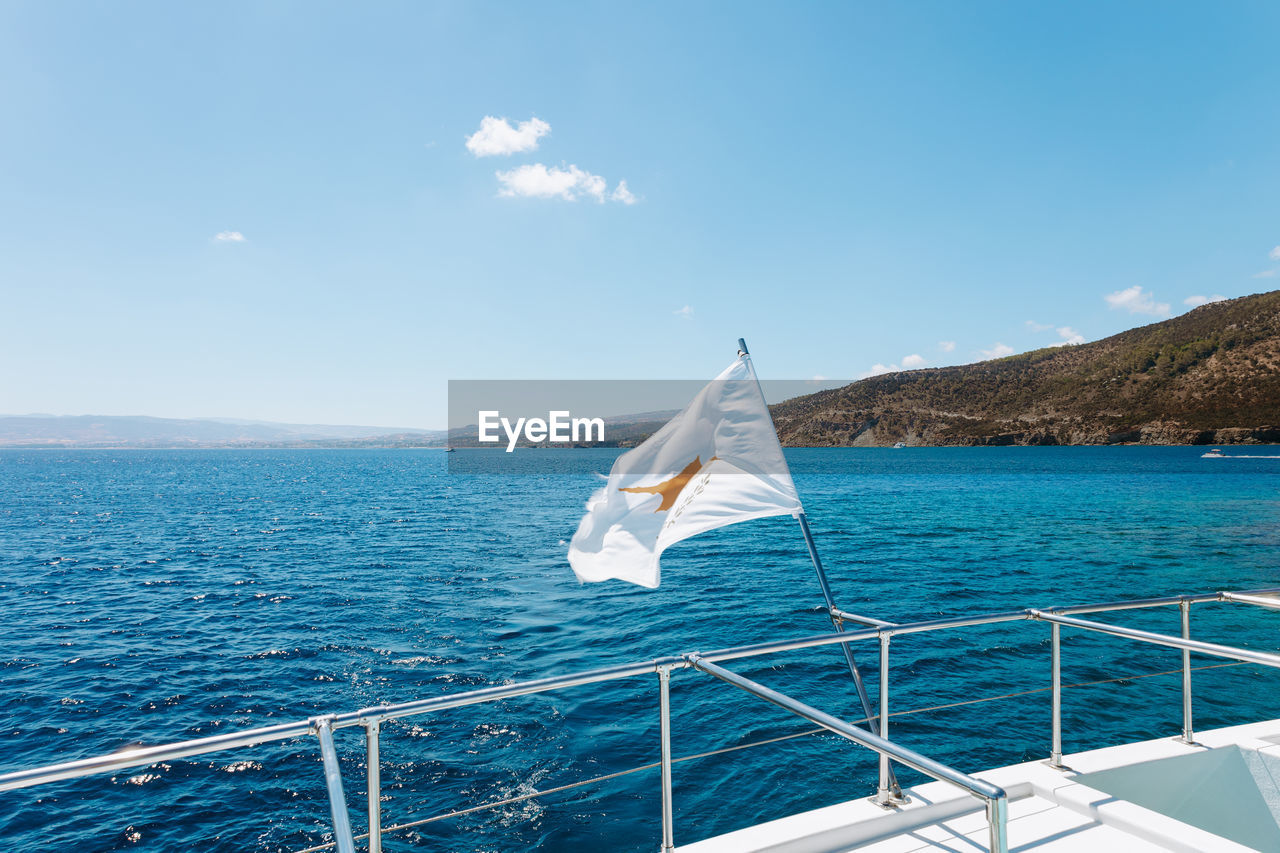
(154, 596)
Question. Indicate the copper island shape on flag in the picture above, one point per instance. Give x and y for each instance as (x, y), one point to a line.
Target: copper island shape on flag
(656, 496)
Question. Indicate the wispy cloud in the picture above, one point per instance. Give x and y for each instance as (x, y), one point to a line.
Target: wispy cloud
(1265, 274)
(1274, 254)
(998, 351)
(947, 346)
(229, 237)
(686, 311)
(1136, 301)
(568, 183)
(539, 181)
(622, 194)
(1195, 301)
(496, 136)
(915, 361)
(1070, 337)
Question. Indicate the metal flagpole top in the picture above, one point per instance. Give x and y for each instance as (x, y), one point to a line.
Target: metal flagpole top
(742, 347)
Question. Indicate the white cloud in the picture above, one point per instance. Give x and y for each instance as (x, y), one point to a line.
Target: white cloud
(1195, 301)
(539, 181)
(1135, 301)
(1070, 337)
(496, 136)
(1274, 254)
(686, 311)
(947, 346)
(622, 194)
(229, 237)
(998, 351)
(1265, 274)
(909, 362)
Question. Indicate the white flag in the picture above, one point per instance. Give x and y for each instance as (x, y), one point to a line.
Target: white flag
(717, 462)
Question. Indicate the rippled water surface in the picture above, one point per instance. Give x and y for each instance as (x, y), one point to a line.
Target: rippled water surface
(158, 596)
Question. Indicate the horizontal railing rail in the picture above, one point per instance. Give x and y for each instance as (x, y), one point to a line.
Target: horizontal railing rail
(146, 755)
(871, 621)
(383, 713)
(371, 718)
(1244, 598)
(1215, 649)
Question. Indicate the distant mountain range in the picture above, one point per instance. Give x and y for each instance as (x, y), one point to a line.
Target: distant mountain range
(1210, 376)
(110, 431)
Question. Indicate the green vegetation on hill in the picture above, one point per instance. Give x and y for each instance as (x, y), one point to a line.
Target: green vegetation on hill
(1211, 376)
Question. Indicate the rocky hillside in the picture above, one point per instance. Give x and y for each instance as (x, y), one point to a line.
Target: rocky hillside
(1210, 376)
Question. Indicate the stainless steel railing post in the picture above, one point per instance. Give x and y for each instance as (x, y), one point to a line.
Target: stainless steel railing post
(664, 705)
(371, 731)
(998, 821)
(1188, 735)
(333, 781)
(1055, 758)
(884, 794)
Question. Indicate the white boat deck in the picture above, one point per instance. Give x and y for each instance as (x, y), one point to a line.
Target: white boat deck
(1225, 786)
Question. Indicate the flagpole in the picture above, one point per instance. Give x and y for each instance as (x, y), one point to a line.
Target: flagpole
(872, 720)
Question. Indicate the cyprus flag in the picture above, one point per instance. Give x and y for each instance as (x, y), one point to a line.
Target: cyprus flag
(717, 462)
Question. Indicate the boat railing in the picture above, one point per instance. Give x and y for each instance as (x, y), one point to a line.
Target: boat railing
(995, 798)
(370, 719)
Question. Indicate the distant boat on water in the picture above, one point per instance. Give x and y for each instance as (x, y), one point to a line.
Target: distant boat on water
(899, 445)
(1216, 453)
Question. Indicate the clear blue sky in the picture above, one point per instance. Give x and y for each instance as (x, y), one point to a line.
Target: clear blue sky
(843, 184)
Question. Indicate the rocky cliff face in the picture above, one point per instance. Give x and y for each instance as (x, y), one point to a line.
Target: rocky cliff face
(1211, 376)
